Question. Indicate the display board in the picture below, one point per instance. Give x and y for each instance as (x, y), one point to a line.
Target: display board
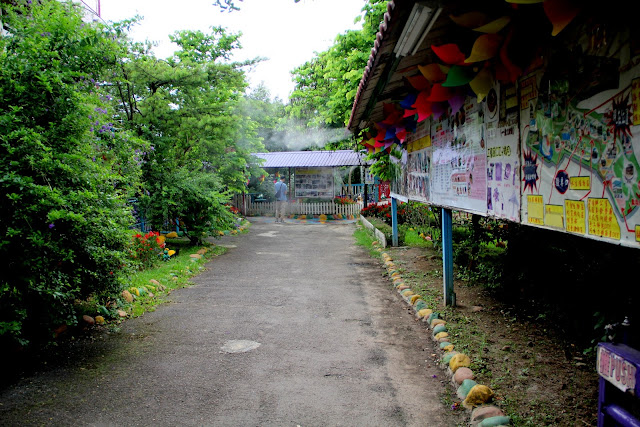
(551, 157)
(581, 157)
(314, 182)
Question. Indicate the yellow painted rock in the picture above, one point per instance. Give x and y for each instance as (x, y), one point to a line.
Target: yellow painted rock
(448, 348)
(160, 239)
(407, 293)
(171, 252)
(126, 295)
(135, 291)
(414, 298)
(99, 320)
(458, 361)
(202, 251)
(478, 395)
(441, 335)
(425, 312)
(172, 235)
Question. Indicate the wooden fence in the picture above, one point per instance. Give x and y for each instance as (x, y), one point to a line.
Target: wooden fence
(295, 208)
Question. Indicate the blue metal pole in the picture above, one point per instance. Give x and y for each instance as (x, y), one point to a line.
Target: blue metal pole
(394, 222)
(447, 257)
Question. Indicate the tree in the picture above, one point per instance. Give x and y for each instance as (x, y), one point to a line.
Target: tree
(187, 108)
(326, 85)
(66, 169)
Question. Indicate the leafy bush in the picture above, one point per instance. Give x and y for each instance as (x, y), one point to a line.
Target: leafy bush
(65, 170)
(191, 197)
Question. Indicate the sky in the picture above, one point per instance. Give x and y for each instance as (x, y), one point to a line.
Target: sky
(284, 32)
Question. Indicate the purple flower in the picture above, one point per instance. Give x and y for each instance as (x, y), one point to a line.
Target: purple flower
(51, 226)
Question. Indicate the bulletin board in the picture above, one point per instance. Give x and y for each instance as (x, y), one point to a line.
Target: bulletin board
(314, 182)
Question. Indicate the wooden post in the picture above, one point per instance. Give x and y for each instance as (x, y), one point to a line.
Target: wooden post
(394, 222)
(447, 258)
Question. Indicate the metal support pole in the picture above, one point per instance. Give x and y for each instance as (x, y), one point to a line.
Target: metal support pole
(447, 258)
(394, 222)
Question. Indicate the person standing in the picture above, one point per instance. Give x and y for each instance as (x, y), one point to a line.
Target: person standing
(281, 199)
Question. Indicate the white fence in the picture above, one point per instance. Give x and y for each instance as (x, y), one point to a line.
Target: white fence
(294, 208)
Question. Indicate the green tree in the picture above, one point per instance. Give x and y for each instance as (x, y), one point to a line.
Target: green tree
(326, 85)
(187, 107)
(66, 168)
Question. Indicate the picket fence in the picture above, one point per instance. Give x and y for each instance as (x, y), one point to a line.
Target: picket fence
(296, 208)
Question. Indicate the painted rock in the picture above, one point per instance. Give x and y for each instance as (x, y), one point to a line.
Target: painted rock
(440, 328)
(122, 313)
(478, 395)
(420, 304)
(483, 412)
(458, 361)
(463, 373)
(126, 295)
(88, 320)
(465, 387)
(447, 357)
(436, 322)
(424, 312)
(99, 320)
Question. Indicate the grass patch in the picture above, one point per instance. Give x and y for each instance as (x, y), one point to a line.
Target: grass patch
(364, 237)
(414, 239)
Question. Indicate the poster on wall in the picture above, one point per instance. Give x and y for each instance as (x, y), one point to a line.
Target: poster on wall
(458, 160)
(419, 163)
(580, 170)
(503, 173)
(314, 182)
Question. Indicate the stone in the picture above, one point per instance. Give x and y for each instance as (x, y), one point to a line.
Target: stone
(476, 308)
(122, 313)
(99, 320)
(126, 295)
(151, 295)
(486, 411)
(195, 256)
(436, 322)
(154, 282)
(161, 288)
(458, 361)
(441, 335)
(440, 328)
(88, 320)
(463, 373)
(424, 312)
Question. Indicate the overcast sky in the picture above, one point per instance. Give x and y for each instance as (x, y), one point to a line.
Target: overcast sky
(285, 32)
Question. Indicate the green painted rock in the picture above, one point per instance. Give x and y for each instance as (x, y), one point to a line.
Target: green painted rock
(420, 305)
(439, 328)
(447, 357)
(465, 387)
(495, 421)
(434, 315)
(444, 344)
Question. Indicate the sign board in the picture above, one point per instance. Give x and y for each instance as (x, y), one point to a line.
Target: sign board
(314, 182)
(618, 364)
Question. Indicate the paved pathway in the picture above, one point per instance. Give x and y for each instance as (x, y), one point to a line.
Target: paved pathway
(337, 347)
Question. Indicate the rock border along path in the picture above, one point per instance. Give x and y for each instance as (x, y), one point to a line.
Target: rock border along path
(475, 397)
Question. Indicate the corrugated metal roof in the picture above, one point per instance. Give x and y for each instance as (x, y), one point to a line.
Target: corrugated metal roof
(298, 159)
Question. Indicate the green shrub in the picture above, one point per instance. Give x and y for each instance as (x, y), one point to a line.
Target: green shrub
(65, 169)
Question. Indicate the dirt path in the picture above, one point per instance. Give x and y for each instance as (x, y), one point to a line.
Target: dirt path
(337, 346)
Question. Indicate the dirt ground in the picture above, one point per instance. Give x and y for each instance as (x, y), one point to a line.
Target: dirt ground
(538, 377)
